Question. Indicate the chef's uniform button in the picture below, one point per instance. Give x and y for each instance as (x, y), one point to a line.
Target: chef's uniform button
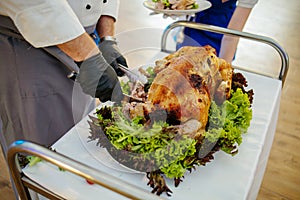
(88, 6)
(104, 1)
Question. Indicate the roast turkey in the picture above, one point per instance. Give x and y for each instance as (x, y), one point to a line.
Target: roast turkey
(187, 81)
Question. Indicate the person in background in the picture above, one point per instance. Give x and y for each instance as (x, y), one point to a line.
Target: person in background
(51, 70)
(231, 14)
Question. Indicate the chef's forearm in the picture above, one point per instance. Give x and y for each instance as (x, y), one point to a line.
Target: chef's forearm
(106, 26)
(83, 47)
(80, 48)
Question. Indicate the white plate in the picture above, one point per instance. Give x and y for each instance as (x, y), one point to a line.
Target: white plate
(203, 5)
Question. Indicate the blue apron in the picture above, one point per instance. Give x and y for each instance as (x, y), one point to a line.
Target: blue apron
(218, 15)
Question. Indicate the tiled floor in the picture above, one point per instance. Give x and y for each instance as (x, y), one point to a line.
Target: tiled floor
(276, 19)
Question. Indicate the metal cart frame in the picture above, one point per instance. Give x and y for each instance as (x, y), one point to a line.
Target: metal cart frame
(23, 183)
(269, 41)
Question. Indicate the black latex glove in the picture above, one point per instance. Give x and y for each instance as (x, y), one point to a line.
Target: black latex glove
(98, 79)
(112, 55)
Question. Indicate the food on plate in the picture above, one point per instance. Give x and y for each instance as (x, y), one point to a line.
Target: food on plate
(175, 4)
(194, 105)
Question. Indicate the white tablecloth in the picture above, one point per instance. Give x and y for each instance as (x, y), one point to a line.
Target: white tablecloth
(227, 177)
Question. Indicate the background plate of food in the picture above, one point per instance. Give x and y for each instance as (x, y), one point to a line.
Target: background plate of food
(177, 7)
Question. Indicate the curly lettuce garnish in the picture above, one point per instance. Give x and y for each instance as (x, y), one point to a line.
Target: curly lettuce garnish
(229, 121)
(158, 144)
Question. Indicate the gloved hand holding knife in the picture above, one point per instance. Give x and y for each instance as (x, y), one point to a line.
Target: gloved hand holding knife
(111, 53)
(98, 79)
(99, 67)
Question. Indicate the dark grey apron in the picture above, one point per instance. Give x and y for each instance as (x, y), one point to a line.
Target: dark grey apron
(37, 101)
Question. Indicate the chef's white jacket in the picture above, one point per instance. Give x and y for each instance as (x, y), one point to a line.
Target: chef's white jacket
(50, 22)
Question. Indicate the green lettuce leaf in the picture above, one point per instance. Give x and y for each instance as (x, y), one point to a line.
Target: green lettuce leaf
(229, 121)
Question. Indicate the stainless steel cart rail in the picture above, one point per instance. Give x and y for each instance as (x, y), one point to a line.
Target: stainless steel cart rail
(282, 53)
(23, 182)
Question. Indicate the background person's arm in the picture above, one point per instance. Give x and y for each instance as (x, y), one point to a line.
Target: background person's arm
(237, 22)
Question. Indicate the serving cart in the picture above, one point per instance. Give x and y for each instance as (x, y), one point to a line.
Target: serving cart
(227, 177)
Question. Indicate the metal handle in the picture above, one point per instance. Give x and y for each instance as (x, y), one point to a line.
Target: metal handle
(115, 184)
(283, 55)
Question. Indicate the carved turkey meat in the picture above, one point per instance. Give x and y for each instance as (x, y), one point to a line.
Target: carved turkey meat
(187, 81)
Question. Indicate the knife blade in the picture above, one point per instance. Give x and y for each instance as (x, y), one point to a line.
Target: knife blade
(134, 75)
(129, 99)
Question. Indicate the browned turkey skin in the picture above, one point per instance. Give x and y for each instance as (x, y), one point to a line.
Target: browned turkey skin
(188, 80)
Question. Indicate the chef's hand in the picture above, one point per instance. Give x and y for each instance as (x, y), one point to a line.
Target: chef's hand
(111, 53)
(98, 79)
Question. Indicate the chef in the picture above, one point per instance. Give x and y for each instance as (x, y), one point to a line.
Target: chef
(51, 69)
